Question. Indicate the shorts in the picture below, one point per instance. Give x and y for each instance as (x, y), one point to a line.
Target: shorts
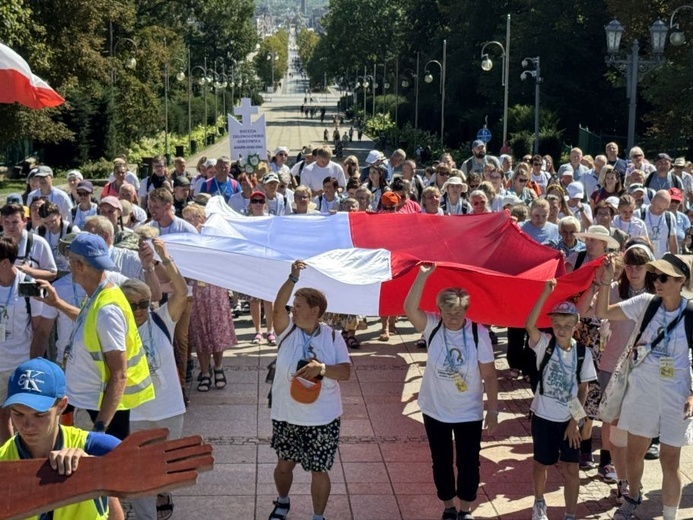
(549, 445)
(314, 447)
(4, 380)
(654, 407)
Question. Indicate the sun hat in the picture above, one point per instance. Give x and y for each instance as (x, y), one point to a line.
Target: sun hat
(305, 391)
(36, 383)
(673, 265)
(600, 233)
(93, 249)
(454, 181)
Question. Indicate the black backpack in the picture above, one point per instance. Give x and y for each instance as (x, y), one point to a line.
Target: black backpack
(651, 310)
(475, 333)
(547, 356)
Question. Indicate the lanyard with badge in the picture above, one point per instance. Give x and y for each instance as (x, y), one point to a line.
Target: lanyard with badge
(307, 350)
(79, 322)
(460, 361)
(574, 406)
(666, 361)
(153, 359)
(4, 316)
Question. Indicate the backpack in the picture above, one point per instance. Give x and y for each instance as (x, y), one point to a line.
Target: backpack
(652, 309)
(675, 180)
(41, 230)
(580, 258)
(160, 323)
(547, 355)
(475, 332)
(667, 218)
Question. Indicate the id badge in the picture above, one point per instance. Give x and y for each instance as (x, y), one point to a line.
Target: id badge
(201, 284)
(460, 383)
(576, 410)
(3, 332)
(666, 367)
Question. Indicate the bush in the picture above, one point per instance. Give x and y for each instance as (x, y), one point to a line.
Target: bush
(100, 169)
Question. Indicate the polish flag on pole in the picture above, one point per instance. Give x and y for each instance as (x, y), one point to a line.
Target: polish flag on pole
(19, 85)
(367, 263)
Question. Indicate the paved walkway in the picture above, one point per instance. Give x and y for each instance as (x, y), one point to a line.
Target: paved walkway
(383, 468)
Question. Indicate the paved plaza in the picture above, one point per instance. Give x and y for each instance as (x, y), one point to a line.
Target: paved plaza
(383, 470)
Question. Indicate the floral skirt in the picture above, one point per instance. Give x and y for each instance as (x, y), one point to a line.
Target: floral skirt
(211, 321)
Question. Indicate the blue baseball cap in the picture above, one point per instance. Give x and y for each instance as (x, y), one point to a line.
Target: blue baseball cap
(94, 250)
(36, 383)
(565, 308)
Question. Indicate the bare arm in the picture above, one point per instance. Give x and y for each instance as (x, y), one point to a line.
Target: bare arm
(177, 302)
(413, 299)
(490, 377)
(603, 277)
(673, 245)
(279, 313)
(116, 362)
(36, 273)
(54, 300)
(146, 255)
(531, 322)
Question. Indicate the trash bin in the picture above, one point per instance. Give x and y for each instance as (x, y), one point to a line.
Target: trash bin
(180, 151)
(193, 147)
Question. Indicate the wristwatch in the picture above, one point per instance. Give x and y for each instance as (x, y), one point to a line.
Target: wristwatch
(323, 369)
(99, 426)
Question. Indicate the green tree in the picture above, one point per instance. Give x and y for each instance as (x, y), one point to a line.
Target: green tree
(272, 59)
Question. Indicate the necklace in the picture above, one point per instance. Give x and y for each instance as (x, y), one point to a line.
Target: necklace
(634, 292)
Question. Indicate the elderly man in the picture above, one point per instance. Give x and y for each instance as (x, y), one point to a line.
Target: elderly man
(479, 159)
(686, 178)
(660, 224)
(220, 183)
(575, 163)
(394, 165)
(129, 193)
(179, 168)
(44, 174)
(112, 209)
(105, 366)
(663, 178)
(614, 160)
(314, 174)
(34, 258)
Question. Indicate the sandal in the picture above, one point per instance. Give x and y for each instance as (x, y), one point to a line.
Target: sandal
(274, 515)
(164, 509)
(421, 343)
(257, 339)
(271, 339)
(352, 342)
(514, 373)
(205, 383)
(384, 336)
(219, 378)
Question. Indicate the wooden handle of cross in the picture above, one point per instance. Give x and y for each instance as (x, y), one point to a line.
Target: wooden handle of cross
(144, 464)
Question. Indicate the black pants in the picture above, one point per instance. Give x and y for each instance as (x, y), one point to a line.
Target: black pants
(516, 345)
(467, 447)
(120, 425)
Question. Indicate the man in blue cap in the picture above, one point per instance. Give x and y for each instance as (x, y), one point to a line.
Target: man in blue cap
(105, 365)
(36, 397)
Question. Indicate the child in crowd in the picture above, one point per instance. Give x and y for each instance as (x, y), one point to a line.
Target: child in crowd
(558, 403)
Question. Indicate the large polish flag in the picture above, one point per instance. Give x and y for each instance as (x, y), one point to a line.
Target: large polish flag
(19, 85)
(366, 263)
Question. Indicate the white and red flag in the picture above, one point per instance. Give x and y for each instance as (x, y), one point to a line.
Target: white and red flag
(19, 85)
(366, 263)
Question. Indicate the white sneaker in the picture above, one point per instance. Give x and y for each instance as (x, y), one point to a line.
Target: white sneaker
(539, 511)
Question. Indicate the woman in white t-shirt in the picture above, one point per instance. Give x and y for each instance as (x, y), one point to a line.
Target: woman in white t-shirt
(658, 400)
(306, 400)
(460, 363)
(156, 329)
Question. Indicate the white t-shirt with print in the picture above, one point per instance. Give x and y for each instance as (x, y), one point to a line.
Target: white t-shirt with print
(328, 406)
(168, 400)
(560, 380)
(40, 255)
(14, 346)
(634, 227)
(658, 231)
(677, 346)
(450, 353)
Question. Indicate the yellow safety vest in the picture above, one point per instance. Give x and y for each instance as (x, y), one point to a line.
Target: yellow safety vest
(96, 509)
(139, 387)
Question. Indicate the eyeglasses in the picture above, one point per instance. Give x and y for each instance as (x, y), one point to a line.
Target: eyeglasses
(83, 193)
(140, 305)
(537, 164)
(522, 181)
(257, 201)
(443, 174)
(389, 208)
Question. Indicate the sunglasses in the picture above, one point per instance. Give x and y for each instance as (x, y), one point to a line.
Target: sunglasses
(537, 164)
(83, 193)
(141, 305)
(443, 174)
(522, 181)
(257, 201)
(389, 208)
(662, 277)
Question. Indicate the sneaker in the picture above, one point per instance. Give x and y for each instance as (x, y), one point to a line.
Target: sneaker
(449, 513)
(539, 511)
(652, 452)
(587, 461)
(627, 509)
(461, 515)
(607, 474)
(621, 490)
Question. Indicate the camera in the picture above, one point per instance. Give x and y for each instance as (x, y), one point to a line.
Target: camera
(31, 289)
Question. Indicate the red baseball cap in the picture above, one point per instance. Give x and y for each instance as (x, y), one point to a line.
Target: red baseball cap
(676, 195)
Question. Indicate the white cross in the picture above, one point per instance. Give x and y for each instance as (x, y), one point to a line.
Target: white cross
(245, 111)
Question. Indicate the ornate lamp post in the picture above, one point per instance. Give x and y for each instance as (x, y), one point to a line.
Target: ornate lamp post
(428, 78)
(487, 65)
(536, 74)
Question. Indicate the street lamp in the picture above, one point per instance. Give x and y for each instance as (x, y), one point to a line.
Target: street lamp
(364, 85)
(632, 66)
(428, 78)
(677, 36)
(487, 65)
(405, 84)
(180, 76)
(130, 63)
(203, 83)
(536, 74)
(272, 57)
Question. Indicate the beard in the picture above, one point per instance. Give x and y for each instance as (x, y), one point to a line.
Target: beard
(480, 155)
